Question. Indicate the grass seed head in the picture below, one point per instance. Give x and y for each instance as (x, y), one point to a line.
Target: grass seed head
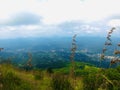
(117, 52)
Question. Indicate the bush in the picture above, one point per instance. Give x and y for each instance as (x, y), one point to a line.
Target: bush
(12, 82)
(38, 75)
(60, 82)
(92, 81)
(112, 74)
(49, 70)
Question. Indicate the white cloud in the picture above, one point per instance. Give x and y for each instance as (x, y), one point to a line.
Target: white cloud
(28, 31)
(114, 23)
(88, 29)
(54, 13)
(57, 11)
(66, 10)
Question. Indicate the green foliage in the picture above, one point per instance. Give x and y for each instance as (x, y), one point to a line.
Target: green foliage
(38, 75)
(60, 82)
(81, 73)
(27, 68)
(112, 74)
(108, 79)
(49, 70)
(89, 82)
(88, 77)
(12, 82)
(118, 69)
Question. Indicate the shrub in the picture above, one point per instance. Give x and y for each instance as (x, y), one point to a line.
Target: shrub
(60, 82)
(38, 75)
(12, 82)
(93, 81)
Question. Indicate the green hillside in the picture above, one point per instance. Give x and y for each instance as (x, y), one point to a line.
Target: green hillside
(87, 77)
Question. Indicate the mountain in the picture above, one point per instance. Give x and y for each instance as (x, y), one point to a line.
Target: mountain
(54, 49)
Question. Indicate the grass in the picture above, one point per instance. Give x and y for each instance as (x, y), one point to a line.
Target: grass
(87, 76)
(26, 80)
(24, 77)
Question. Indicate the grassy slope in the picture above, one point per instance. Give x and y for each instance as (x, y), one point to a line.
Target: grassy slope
(88, 76)
(42, 82)
(26, 78)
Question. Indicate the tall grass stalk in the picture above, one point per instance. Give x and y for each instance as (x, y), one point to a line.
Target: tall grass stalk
(73, 50)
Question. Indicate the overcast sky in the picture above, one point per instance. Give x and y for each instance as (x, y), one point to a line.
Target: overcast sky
(43, 18)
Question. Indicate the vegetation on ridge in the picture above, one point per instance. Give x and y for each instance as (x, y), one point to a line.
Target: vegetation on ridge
(86, 76)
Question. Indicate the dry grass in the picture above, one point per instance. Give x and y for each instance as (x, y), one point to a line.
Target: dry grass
(73, 50)
(108, 42)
